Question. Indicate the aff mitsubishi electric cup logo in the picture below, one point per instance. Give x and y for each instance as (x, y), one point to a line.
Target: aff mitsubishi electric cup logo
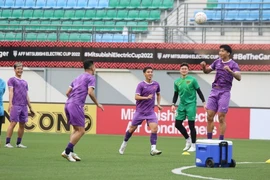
(159, 55)
(15, 53)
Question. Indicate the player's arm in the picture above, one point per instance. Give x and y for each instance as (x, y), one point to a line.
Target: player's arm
(138, 94)
(174, 100)
(206, 70)
(236, 75)
(235, 71)
(28, 102)
(68, 91)
(138, 97)
(92, 95)
(32, 113)
(175, 97)
(199, 92)
(10, 97)
(158, 98)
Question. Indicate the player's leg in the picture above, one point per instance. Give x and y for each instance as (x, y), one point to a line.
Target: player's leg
(75, 116)
(136, 121)
(14, 119)
(68, 153)
(181, 116)
(191, 115)
(223, 103)
(153, 124)
(23, 118)
(129, 132)
(1, 122)
(212, 107)
(9, 133)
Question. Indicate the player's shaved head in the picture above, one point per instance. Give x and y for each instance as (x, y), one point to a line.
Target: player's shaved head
(146, 68)
(18, 64)
(226, 48)
(87, 64)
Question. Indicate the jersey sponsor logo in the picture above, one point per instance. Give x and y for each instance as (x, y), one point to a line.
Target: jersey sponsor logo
(155, 87)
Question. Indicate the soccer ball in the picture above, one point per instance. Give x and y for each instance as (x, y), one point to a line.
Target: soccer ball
(200, 17)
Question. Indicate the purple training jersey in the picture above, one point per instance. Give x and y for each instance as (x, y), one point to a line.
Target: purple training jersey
(80, 88)
(145, 89)
(223, 78)
(20, 88)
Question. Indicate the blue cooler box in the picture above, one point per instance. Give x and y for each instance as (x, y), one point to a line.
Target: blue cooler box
(214, 153)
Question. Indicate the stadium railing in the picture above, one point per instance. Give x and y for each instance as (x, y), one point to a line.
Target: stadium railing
(159, 34)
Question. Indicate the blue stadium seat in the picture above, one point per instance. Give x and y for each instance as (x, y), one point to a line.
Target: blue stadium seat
(255, 6)
(210, 14)
(132, 38)
(40, 3)
(103, 3)
(217, 16)
(266, 15)
(232, 6)
(219, 6)
(246, 5)
(61, 3)
(2, 3)
(82, 3)
(71, 4)
(93, 4)
(107, 38)
(9, 3)
(118, 38)
(231, 15)
(98, 37)
(19, 3)
(242, 16)
(51, 3)
(29, 3)
(253, 16)
(266, 6)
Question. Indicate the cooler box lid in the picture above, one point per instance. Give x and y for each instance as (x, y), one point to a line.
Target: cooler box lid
(212, 142)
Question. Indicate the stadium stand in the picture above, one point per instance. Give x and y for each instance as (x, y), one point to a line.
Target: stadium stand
(80, 20)
(237, 10)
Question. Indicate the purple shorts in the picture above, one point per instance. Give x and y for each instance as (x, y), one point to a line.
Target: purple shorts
(219, 100)
(19, 114)
(139, 117)
(75, 114)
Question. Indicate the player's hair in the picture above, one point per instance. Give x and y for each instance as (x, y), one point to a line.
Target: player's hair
(184, 64)
(146, 68)
(226, 48)
(18, 64)
(88, 64)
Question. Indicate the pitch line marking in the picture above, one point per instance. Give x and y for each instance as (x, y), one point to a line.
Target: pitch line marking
(179, 171)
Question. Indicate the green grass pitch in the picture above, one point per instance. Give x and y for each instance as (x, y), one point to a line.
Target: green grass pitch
(101, 160)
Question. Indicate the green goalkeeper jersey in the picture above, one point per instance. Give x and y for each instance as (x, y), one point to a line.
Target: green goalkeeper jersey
(186, 88)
